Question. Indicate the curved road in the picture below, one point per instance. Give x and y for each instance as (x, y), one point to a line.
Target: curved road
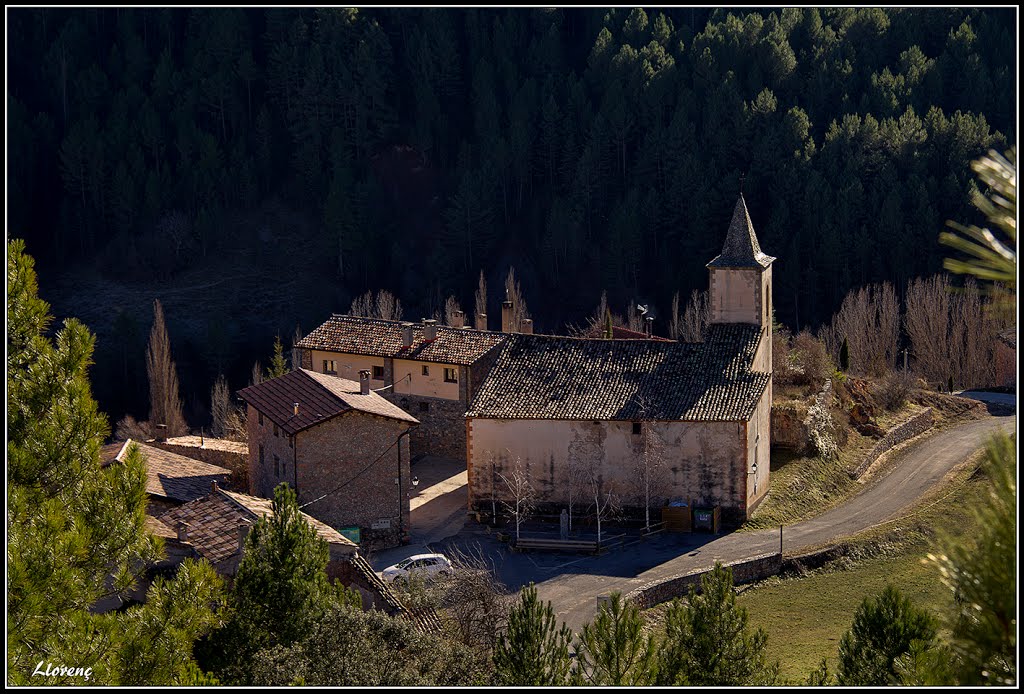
(921, 465)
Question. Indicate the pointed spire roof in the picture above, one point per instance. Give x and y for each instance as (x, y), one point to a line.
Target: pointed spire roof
(741, 248)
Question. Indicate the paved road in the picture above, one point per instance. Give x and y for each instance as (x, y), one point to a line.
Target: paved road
(921, 465)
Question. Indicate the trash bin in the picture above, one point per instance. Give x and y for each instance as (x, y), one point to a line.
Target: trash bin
(707, 519)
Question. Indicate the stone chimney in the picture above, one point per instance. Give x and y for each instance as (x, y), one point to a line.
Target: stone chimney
(506, 316)
(161, 432)
(407, 329)
(429, 329)
(364, 381)
(213, 487)
(295, 409)
(459, 319)
(649, 325)
(243, 532)
(183, 529)
(527, 326)
(481, 321)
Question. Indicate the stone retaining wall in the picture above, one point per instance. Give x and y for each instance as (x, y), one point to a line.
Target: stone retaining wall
(743, 571)
(918, 424)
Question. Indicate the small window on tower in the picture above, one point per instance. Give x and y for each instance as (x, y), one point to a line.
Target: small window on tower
(637, 428)
(261, 419)
(277, 466)
(426, 370)
(275, 430)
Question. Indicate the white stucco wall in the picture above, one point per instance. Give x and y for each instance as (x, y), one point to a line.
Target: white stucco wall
(409, 379)
(704, 462)
(735, 295)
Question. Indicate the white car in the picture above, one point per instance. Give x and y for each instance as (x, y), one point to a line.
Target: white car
(424, 565)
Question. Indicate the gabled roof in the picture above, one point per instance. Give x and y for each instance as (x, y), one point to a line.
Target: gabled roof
(741, 248)
(542, 377)
(383, 338)
(214, 519)
(174, 476)
(320, 397)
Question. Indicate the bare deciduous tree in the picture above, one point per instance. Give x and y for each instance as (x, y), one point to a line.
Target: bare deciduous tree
(869, 319)
(602, 493)
(480, 298)
(476, 600)
(695, 318)
(927, 325)
(650, 475)
(521, 502)
(451, 307)
(220, 406)
(128, 428)
(256, 377)
(384, 305)
(577, 473)
(514, 293)
(164, 402)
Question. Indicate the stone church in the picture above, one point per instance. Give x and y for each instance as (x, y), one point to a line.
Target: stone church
(575, 413)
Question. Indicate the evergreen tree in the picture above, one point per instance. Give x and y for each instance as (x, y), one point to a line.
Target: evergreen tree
(884, 628)
(278, 365)
(77, 531)
(613, 650)
(280, 591)
(981, 573)
(707, 642)
(532, 651)
(844, 356)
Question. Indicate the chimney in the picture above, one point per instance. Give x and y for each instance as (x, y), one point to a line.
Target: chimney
(649, 325)
(527, 326)
(364, 381)
(429, 329)
(161, 432)
(459, 319)
(506, 316)
(183, 529)
(295, 408)
(213, 486)
(243, 532)
(481, 321)
(407, 329)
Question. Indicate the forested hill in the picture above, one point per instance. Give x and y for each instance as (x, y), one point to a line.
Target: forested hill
(410, 149)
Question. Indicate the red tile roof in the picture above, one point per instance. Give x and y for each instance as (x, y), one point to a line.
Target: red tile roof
(174, 476)
(320, 398)
(383, 338)
(214, 519)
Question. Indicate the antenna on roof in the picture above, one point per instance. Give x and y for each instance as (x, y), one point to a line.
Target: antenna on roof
(742, 178)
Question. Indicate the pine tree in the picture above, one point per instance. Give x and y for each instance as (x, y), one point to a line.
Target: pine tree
(278, 365)
(884, 628)
(77, 531)
(532, 651)
(707, 642)
(613, 649)
(164, 402)
(280, 591)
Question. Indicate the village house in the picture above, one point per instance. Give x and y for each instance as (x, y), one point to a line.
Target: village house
(431, 371)
(555, 407)
(343, 448)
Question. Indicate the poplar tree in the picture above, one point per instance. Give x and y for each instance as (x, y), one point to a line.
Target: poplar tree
(278, 365)
(76, 530)
(533, 651)
(164, 402)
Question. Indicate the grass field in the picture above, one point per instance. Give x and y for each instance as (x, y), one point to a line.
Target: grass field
(806, 616)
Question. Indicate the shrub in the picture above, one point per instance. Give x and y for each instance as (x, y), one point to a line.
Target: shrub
(894, 390)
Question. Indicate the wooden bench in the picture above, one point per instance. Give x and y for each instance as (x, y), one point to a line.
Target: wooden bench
(556, 544)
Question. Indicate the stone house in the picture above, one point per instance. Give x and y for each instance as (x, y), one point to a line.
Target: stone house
(698, 413)
(431, 371)
(343, 448)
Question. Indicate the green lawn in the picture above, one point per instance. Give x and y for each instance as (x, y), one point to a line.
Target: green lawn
(805, 617)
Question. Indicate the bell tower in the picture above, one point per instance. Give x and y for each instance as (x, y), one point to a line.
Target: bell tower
(740, 280)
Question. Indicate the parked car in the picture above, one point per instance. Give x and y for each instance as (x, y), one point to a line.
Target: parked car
(427, 566)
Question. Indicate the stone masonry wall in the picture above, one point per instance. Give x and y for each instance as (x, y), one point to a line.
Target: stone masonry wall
(918, 424)
(442, 429)
(744, 571)
(347, 468)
